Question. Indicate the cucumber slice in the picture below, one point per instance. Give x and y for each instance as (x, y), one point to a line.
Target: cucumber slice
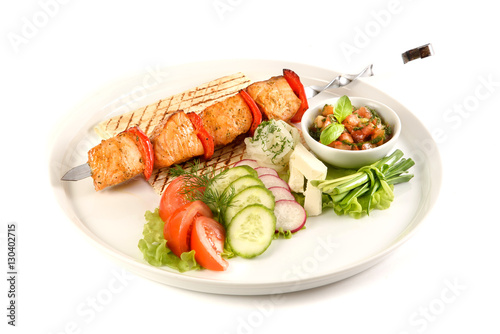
(241, 183)
(224, 179)
(251, 231)
(246, 197)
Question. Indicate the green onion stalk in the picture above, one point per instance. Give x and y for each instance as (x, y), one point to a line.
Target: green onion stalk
(368, 180)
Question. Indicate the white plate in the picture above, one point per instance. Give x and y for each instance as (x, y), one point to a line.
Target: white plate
(331, 248)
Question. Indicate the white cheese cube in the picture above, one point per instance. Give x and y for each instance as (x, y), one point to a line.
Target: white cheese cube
(313, 203)
(303, 164)
(296, 179)
(307, 163)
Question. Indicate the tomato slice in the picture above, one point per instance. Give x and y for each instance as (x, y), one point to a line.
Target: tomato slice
(254, 109)
(206, 138)
(294, 81)
(172, 198)
(177, 230)
(146, 149)
(207, 240)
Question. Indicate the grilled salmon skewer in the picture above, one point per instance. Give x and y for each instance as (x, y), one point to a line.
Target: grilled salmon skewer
(228, 119)
(176, 139)
(275, 98)
(180, 136)
(121, 158)
(110, 165)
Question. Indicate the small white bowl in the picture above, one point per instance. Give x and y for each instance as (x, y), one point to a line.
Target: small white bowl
(352, 159)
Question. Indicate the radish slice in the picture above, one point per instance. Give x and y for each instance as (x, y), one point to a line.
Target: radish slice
(273, 181)
(290, 215)
(266, 171)
(281, 193)
(247, 162)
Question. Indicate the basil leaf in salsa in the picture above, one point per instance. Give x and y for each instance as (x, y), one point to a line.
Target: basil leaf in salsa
(331, 133)
(343, 108)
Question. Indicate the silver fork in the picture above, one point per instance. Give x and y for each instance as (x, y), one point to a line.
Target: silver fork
(339, 81)
(342, 80)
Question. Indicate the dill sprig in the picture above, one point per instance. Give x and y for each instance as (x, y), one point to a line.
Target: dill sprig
(195, 180)
(197, 186)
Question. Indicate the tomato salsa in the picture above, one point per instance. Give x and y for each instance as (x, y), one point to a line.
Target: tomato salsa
(359, 129)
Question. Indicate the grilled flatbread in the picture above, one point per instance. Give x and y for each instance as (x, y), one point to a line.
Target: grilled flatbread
(223, 157)
(193, 100)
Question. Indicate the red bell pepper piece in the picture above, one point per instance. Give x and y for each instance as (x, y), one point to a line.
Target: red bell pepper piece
(294, 81)
(206, 138)
(254, 108)
(146, 148)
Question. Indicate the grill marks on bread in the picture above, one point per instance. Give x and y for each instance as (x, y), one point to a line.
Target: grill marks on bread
(193, 100)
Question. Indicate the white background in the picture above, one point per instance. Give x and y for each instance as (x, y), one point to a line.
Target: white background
(444, 280)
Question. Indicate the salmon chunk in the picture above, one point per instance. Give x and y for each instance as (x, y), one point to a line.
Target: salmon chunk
(227, 119)
(115, 160)
(175, 141)
(275, 98)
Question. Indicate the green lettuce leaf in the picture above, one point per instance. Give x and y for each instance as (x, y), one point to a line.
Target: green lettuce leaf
(154, 246)
(357, 208)
(283, 234)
